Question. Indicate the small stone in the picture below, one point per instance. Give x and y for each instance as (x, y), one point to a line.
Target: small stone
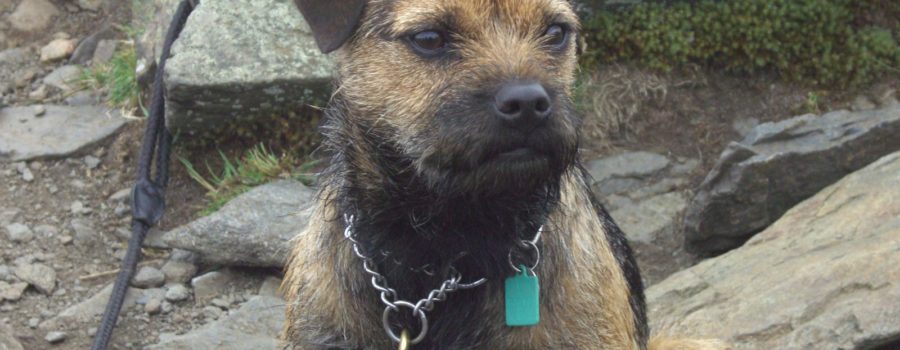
(38, 94)
(65, 239)
(177, 292)
(148, 277)
(104, 52)
(19, 233)
(46, 230)
(77, 207)
(90, 5)
(33, 322)
(55, 337)
(179, 271)
(862, 103)
(271, 286)
(12, 292)
(39, 110)
(221, 303)
(211, 312)
(91, 162)
(153, 306)
(120, 196)
(40, 276)
(58, 49)
(5, 273)
(32, 15)
(167, 307)
(63, 78)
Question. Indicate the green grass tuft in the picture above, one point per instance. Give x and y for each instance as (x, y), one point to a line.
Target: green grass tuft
(117, 78)
(255, 167)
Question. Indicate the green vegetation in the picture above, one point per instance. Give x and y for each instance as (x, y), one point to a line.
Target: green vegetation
(117, 77)
(257, 166)
(821, 42)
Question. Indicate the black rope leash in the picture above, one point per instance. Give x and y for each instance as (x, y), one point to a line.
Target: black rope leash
(148, 196)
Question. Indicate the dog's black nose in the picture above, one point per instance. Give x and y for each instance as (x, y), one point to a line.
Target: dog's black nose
(522, 105)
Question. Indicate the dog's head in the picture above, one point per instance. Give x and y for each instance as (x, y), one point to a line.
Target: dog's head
(475, 94)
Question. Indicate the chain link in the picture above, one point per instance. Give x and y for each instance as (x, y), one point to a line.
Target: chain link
(389, 295)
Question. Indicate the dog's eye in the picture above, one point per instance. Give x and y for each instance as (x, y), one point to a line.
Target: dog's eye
(428, 42)
(556, 36)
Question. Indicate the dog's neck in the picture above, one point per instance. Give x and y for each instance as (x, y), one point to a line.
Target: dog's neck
(396, 211)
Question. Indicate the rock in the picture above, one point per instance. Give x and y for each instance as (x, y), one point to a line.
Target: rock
(104, 52)
(38, 275)
(153, 306)
(744, 126)
(221, 282)
(82, 98)
(86, 49)
(255, 325)
(12, 292)
(778, 165)
(41, 137)
(643, 222)
(19, 233)
(253, 229)
(63, 78)
(90, 309)
(91, 162)
(122, 195)
(630, 164)
(32, 15)
(862, 103)
(271, 286)
(14, 66)
(58, 49)
(179, 271)
(38, 94)
(152, 18)
(148, 277)
(826, 275)
(263, 73)
(6, 274)
(8, 339)
(177, 292)
(55, 337)
(6, 6)
(90, 5)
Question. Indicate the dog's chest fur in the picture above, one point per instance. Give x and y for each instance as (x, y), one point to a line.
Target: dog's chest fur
(586, 300)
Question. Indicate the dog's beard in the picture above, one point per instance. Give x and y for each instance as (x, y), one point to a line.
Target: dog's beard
(466, 153)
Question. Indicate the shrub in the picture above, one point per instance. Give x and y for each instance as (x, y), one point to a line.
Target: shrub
(822, 42)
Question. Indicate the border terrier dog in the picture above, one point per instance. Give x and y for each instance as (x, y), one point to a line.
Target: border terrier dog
(454, 167)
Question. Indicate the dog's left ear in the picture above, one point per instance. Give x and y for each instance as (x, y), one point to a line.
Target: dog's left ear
(332, 21)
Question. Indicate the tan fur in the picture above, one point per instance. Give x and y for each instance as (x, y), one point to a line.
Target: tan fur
(397, 92)
(589, 306)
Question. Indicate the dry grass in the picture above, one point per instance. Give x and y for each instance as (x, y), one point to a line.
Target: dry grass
(610, 98)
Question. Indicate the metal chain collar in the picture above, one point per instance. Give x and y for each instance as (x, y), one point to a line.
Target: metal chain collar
(454, 283)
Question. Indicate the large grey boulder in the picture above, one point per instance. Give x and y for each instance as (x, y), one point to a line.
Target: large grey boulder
(242, 59)
(253, 229)
(824, 276)
(778, 165)
(255, 325)
(54, 131)
(646, 194)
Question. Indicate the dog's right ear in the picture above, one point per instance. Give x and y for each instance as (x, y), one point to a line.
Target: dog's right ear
(332, 21)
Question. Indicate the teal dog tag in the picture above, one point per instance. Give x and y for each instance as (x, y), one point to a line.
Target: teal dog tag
(522, 300)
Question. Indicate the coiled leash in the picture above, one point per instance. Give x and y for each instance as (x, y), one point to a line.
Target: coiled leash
(148, 196)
